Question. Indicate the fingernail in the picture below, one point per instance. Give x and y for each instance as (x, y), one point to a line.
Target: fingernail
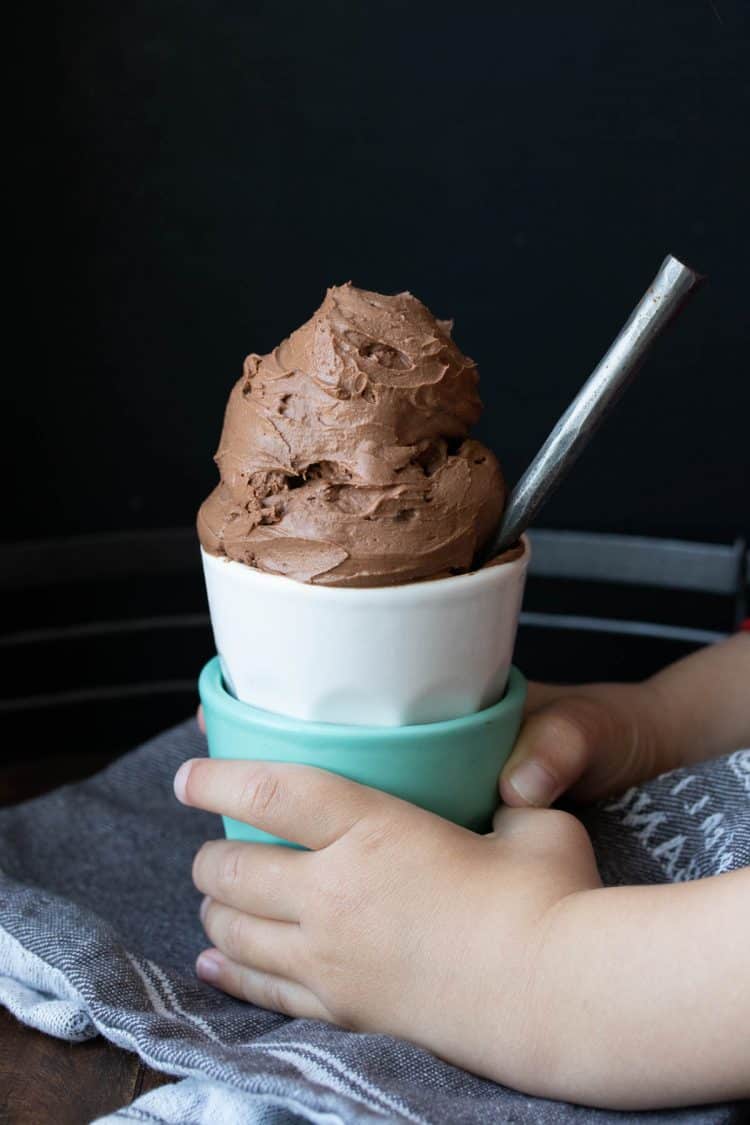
(534, 784)
(210, 964)
(181, 780)
(204, 907)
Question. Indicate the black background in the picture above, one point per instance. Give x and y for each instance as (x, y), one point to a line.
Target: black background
(188, 177)
(185, 180)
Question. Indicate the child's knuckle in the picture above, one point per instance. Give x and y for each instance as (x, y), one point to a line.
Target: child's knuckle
(276, 996)
(230, 867)
(567, 733)
(236, 935)
(261, 793)
(566, 727)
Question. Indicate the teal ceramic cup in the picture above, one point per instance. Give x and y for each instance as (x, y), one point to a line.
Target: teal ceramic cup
(449, 767)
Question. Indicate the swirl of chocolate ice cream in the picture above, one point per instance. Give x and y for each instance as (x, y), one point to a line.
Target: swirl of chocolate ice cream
(344, 457)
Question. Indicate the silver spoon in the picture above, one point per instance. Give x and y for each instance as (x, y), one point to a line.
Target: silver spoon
(662, 300)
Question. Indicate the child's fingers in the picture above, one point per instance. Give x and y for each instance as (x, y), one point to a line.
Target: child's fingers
(556, 746)
(260, 943)
(305, 805)
(262, 879)
(264, 989)
(201, 718)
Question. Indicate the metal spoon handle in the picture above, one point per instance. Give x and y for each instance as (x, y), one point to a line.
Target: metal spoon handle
(662, 300)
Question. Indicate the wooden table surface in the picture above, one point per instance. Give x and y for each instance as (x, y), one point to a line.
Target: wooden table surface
(45, 1081)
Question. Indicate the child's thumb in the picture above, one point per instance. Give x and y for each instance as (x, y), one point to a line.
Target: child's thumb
(554, 750)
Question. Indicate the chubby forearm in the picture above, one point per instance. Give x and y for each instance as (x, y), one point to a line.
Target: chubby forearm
(642, 997)
(703, 702)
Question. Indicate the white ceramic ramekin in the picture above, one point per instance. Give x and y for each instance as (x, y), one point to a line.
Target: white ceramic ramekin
(385, 656)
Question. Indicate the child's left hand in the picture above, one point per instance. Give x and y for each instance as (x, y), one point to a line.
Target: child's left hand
(395, 921)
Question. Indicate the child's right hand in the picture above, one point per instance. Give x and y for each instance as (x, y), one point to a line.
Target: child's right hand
(592, 739)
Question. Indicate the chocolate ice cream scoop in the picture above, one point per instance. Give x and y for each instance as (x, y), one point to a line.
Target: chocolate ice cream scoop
(345, 458)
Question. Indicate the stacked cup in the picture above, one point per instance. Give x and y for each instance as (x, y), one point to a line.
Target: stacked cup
(408, 688)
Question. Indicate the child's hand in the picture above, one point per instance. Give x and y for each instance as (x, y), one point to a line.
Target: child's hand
(593, 740)
(396, 921)
(597, 739)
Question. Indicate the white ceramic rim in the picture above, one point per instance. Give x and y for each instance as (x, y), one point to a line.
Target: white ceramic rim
(405, 591)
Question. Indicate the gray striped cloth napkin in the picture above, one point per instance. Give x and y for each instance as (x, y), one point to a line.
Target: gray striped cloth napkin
(99, 931)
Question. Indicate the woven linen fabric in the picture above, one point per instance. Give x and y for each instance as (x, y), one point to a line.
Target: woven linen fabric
(99, 931)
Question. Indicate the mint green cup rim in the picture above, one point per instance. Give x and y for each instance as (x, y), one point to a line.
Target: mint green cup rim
(215, 695)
